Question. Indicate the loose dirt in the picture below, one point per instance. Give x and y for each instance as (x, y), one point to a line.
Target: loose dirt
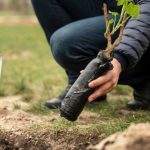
(20, 130)
(136, 137)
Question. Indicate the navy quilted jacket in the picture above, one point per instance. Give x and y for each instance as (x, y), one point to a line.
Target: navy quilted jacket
(136, 37)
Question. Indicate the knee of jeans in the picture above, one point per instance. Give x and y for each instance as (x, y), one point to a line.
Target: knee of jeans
(61, 43)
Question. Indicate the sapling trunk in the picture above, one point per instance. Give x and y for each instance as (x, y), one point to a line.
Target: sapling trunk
(77, 96)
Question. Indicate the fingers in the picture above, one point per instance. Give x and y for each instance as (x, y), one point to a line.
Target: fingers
(101, 80)
(81, 71)
(105, 83)
(101, 90)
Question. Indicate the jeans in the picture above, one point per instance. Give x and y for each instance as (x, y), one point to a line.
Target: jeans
(75, 31)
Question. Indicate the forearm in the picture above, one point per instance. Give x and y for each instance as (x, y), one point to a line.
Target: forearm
(136, 37)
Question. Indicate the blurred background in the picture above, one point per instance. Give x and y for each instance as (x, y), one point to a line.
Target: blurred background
(22, 7)
(29, 69)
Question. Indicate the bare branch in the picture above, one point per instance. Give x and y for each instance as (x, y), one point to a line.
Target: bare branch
(118, 40)
(107, 33)
(108, 52)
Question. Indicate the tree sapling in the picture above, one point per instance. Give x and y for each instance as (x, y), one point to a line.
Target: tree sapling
(77, 96)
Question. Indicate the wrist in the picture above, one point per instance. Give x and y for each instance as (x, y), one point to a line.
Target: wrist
(117, 65)
(122, 60)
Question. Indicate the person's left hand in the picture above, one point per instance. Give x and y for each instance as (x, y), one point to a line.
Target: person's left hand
(105, 83)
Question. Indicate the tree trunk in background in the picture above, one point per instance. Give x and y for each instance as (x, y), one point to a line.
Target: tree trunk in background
(23, 6)
(4, 4)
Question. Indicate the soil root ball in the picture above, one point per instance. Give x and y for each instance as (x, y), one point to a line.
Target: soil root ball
(136, 137)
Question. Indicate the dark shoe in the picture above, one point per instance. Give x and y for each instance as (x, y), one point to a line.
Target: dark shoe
(135, 105)
(99, 99)
(141, 97)
(56, 102)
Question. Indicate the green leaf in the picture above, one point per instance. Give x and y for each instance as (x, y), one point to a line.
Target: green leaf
(133, 10)
(123, 2)
(113, 13)
(111, 21)
(120, 2)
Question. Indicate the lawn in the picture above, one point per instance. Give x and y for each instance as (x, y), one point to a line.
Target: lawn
(29, 70)
(28, 64)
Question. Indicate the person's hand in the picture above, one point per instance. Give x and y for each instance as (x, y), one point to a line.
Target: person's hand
(105, 83)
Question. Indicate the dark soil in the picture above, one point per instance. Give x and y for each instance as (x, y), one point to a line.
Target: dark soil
(46, 140)
(17, 131)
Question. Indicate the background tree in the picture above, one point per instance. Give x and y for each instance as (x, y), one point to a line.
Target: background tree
(21, 6)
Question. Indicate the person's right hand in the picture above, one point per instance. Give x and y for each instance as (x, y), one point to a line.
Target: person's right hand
(105, 83)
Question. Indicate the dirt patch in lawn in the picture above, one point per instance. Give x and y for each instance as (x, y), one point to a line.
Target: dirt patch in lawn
(16, 55)
(14, 20)
(20, 130)
(46, 140)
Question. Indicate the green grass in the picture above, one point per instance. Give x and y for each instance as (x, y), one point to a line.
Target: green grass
(110, 120)
(28, 64)
(30, 70)
(16, 106)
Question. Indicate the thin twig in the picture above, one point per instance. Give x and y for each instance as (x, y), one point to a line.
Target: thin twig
(107, 33)
(118, 40)
(111, 46)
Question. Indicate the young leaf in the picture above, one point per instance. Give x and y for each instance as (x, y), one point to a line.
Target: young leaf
(113, 13)
(133, 10)
(120, 2)
(111, 21)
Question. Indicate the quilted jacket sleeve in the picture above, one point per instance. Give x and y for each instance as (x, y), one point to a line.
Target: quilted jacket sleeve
(136, 38)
